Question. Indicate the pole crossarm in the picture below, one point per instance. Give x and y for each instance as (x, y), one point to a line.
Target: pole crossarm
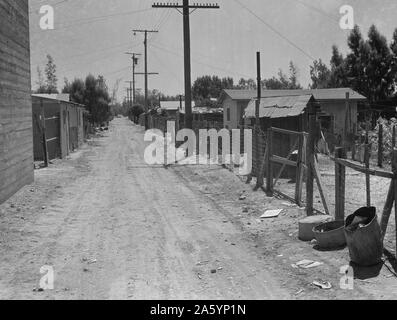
(145, 31)
(181, 6)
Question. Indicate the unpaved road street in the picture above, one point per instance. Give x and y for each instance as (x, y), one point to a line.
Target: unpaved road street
(120, 229)
(113, 227)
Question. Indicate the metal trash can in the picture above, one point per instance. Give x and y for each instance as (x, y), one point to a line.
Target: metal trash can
(364, 237)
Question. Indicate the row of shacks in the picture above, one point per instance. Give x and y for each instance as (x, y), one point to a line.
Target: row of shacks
(337, 112)
(31, 127)
(59, 126)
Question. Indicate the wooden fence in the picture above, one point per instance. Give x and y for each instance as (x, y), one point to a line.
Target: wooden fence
(340, 186)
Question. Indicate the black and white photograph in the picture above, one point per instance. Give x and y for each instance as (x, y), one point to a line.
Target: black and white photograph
(202, 151)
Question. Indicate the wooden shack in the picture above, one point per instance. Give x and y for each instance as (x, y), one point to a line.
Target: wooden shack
(283, 112)
(58, 126)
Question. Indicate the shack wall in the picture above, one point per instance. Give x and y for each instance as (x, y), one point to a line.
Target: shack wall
(16, 137)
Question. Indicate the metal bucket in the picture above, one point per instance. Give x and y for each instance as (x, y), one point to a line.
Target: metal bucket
(363, 236)
(330, 235)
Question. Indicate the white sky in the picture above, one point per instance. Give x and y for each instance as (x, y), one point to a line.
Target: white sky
(92, 36)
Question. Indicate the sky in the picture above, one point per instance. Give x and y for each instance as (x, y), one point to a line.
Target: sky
(92, 36)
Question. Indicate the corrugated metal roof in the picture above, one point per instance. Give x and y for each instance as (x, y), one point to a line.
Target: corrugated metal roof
(205, 110)
(57, 97)
(318, 94)
(279, 107)
(174, 105)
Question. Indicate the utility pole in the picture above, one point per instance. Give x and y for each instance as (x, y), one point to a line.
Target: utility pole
(259, 87)
(130, 90)
(128, 95)
(146, 73)
(187, 9)
(134, 63)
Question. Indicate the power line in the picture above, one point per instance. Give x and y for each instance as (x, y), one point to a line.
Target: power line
(275, 30)
(200, 62)
(87, 21)
(313, 8)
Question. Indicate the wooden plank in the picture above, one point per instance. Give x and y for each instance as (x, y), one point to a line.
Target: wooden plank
(387, 208)
(320, 186)
(367, 175)
(288, 158)
(283, 161)
(380, 146)
(261, 182)
(289, 132)
(394, 168)
(269, 169)
(359, 168)
(300, 170)
(310, 151)
(45, 146)
(340, 176)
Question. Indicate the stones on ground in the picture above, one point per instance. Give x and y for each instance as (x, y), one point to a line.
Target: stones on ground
(213, 271)
(245, 210)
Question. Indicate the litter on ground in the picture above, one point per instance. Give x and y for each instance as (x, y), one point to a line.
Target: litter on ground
(322, 284)
(307, 264)
(271, 214)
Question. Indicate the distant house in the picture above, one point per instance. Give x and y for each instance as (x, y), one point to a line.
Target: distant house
(16, 142)
(233, 104)
(332, 102)
(63, 123)
(201, 114)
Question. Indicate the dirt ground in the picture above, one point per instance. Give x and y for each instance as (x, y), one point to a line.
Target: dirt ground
(113, 227)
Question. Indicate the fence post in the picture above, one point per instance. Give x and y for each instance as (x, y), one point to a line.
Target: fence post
(269, 169)
(367, 155)
(260, 175)
(394, 168)
(394, 138)
(380, 146)
(310, 151)
(340, 179)
(44, 134)
(299, 172)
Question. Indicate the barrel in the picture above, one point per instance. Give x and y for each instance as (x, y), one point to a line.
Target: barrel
(364, 238)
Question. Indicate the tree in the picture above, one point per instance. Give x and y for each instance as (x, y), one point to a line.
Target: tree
(286, 82)
(339, 70)
(393, 48)
(40, 82)
(369, 68)
(135, 112)
(207, 87)
(320, 75)
(293, 77)
(51, 78)
(76, 90)
(379, 75)
(94, 94)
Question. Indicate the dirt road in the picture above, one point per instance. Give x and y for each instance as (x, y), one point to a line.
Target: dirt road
(114, 228)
